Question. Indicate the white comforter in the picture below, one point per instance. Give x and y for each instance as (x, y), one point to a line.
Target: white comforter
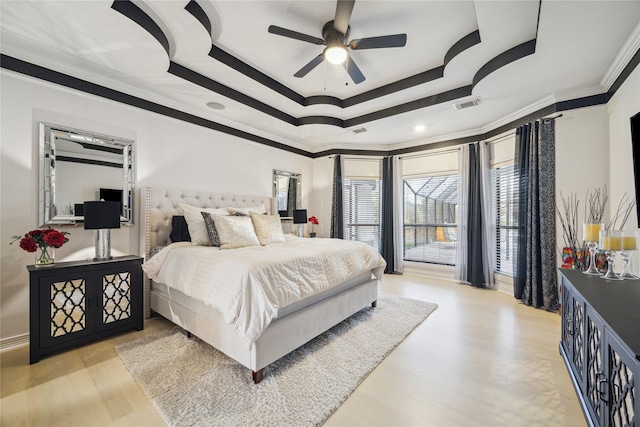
(249, 285)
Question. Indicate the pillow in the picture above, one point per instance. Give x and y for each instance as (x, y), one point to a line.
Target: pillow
(179, 229)
(195, 222)
(245, 211)
(214, 239)
(235, 231)
(268, 228)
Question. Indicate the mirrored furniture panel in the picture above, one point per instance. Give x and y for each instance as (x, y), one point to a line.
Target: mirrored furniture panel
(78, 166)
(287, 189)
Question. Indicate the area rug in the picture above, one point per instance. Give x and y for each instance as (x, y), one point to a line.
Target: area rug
(193, 384)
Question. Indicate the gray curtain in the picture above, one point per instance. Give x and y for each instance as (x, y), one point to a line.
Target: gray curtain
(475, 248)
(292, 196)
(337, 205)
(387, 249)
(536, 280)
(474, 256)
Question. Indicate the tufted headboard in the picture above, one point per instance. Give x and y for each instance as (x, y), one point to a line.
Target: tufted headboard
(161, 204)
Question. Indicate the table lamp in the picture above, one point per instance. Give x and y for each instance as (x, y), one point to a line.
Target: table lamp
(102, 216)
(300, 218)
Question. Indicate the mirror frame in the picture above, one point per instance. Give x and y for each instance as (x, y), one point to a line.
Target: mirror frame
(279, 173)
(47, 209)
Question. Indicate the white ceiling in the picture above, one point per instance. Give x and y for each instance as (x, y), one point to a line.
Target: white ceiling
(581, 47)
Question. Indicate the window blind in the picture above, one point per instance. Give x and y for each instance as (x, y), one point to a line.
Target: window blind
(505, 195)
(362, 203)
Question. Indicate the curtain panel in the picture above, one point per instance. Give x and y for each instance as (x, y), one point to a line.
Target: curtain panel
(460, 271)
(474, 260)
(292, 196)
(535, 282)
(392, 212)
(337, 202)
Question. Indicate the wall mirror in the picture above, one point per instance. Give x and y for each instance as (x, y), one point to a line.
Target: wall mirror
(287, 189)
(77, 166)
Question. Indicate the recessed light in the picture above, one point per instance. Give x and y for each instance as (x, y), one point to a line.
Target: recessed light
(215, 106)
(419, 128)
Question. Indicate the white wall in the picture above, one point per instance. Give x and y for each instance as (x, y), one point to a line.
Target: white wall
(582, 160)
(169, 153)
(624, 104)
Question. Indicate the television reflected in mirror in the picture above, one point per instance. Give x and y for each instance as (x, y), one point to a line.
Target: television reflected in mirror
(78, 165)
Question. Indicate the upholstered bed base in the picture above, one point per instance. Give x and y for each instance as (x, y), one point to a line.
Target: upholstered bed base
(285, 333)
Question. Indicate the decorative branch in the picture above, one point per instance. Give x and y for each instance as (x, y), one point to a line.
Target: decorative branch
(569, 220)
(597, 201)
(623, 211)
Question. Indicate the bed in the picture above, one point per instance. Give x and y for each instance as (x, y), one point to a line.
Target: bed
(281, 326)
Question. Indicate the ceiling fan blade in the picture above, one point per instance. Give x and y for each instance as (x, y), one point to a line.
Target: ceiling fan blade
(310, 66)
(294, 35)
(395, 40)
(353, 71)
(343, 15)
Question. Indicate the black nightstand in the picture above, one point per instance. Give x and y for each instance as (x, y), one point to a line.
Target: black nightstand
(76, 302)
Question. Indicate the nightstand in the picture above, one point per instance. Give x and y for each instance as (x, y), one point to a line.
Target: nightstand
(73, 303)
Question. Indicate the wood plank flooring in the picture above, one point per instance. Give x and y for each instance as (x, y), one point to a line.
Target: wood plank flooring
(481, 359)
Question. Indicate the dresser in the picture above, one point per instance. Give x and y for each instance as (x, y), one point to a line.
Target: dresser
(600, 344)
(73, 303)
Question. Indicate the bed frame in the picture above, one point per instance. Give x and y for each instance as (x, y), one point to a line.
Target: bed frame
(284, 334)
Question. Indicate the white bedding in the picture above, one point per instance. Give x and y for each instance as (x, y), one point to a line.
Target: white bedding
(249, 285)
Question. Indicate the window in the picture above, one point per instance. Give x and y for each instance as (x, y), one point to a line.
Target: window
(362, 206)
(505, 202)
(431, 218)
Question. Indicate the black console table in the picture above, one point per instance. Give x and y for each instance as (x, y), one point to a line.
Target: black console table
(76, 302)
(600, 345)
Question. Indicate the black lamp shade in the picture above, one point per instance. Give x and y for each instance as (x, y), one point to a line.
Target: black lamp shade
(100, 215)
(300, 216)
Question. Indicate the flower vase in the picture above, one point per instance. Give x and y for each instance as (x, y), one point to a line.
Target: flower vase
(45, 256)
(312, 234)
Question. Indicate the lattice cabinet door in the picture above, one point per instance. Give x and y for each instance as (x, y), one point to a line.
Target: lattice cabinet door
(117, 300)
(64, 302)
(567, 319)
(578, 352)
(595, 390)
(622, 370)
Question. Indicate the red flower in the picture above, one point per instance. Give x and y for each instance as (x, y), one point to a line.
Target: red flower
(28, 244)
(54, 238)
(42, 239)
(313, 220)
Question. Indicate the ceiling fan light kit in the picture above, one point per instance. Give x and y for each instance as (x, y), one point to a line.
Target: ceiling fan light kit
(335, 36)
(335, 54)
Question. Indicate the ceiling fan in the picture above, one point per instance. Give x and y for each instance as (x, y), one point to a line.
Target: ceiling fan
(334, 36)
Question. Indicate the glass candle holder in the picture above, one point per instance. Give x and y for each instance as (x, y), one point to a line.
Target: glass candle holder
(629, 243)
(610, 242)
(591, 235)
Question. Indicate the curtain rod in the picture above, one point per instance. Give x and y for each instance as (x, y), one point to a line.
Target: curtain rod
(510, 134)
(452, 150)
(365, 159)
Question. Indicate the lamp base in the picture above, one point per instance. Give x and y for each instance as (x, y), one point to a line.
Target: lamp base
(103, 245)
(300, 230)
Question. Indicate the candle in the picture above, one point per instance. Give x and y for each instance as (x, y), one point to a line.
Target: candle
(629, 243)
(611, 243)
(590, 232)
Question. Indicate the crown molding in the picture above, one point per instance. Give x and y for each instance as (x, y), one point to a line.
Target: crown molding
(624, 57)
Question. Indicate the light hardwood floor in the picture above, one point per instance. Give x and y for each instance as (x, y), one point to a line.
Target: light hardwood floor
(481, 359)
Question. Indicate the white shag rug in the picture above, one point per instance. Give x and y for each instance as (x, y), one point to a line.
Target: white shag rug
(193, 384)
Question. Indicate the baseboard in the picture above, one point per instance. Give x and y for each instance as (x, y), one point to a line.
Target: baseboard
(14, 342)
